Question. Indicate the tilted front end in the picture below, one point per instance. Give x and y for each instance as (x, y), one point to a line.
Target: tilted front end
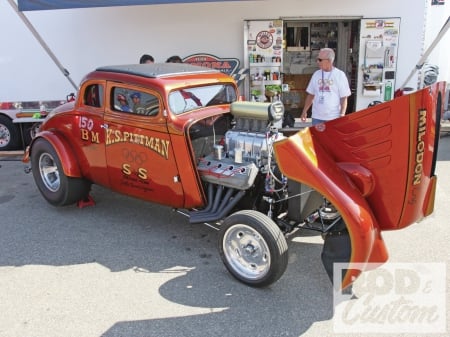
(376, 166)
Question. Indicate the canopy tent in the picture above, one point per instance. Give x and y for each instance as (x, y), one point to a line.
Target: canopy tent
(32, 5)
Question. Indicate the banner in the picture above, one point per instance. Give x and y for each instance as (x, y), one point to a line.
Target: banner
(229, 66)
(225, 65)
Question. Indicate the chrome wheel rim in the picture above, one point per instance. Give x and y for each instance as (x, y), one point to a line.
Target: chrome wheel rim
(5, 136)
(49, 172)
(34, 130)
(246, 251)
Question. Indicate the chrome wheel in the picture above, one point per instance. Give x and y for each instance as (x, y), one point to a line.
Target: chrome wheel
(34, 130)
(49, 172)
(253, 248)
(5, 136)
(9, 134)
(246, 251)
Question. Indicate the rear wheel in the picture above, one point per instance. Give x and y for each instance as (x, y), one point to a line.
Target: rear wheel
(30, 131)
(253, 248)
(9, 134)
(57, 188)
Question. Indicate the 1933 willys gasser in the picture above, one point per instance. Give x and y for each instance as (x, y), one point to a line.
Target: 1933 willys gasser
(176, 134)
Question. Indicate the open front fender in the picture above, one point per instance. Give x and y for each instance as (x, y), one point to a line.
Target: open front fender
(64, 151)
(303, 160)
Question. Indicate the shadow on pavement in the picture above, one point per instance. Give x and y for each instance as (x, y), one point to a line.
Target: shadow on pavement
(122, 233)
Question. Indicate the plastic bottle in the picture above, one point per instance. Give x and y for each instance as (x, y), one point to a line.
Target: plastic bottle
(388, 91)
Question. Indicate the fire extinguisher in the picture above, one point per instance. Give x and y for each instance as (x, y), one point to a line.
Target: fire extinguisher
(388, 91)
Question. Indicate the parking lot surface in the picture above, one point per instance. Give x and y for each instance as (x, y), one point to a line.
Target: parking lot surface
(128, 268)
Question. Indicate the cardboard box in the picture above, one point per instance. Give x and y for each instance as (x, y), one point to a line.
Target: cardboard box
(297, 82)
(294, 100)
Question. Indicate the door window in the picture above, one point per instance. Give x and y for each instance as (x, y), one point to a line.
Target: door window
(134, 101)
(93, 95)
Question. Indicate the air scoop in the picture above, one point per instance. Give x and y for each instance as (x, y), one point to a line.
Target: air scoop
(272, 112)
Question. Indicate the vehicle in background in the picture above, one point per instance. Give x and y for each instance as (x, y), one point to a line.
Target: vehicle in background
(19, 122)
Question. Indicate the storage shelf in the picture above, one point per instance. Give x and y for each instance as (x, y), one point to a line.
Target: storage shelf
(268, 82)
(305, 49)
(265, 64)
(324, 38)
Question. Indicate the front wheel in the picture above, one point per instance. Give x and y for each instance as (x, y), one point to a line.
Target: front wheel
(253, 248)
(57, 188)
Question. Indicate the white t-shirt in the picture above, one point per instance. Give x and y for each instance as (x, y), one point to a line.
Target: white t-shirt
(328, 87)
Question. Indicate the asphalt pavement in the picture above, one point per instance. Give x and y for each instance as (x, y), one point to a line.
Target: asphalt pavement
(128, 268)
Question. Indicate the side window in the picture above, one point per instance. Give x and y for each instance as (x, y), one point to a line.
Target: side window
(133, 101)
(93, 95)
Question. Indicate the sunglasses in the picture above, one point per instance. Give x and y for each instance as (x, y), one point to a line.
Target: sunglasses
(320, 60)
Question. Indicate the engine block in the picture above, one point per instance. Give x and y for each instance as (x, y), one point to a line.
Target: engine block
(227, 173)
(247, 148)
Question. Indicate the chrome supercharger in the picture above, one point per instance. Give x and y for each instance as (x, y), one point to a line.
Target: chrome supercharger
(247, 148)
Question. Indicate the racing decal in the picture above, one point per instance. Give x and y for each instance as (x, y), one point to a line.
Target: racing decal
(133, 173)
(86, 125)
(420, 146)
(264, 39)
(158, 145)
(379, 24)
(91, 136)
(141, 172)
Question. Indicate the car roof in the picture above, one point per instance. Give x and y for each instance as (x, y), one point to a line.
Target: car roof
(158, 70)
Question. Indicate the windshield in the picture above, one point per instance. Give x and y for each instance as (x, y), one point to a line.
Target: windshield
(189, 99)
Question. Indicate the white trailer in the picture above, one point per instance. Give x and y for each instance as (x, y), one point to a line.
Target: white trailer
(84, 38)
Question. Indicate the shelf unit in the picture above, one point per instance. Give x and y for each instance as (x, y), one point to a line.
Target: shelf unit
(263, 56)
(263, 74)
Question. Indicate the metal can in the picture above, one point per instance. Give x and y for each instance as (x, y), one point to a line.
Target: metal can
(218, 152)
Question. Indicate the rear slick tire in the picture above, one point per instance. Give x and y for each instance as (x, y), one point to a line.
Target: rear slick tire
(253, 248)
(57, 188)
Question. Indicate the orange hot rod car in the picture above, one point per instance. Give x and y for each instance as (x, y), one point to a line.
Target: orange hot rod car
(176, 134)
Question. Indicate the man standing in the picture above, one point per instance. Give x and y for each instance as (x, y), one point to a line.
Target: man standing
(327, 90)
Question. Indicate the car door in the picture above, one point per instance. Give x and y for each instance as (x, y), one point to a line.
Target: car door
(88, 132)
(139, 152)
